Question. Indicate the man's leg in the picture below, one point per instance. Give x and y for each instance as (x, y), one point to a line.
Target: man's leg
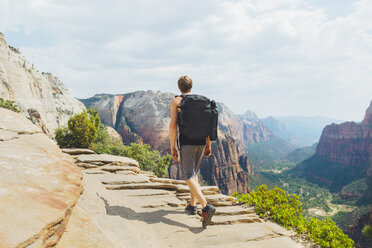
(196, 191)
(193, 197)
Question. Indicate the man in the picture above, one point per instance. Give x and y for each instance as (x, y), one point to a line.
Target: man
(191, 152)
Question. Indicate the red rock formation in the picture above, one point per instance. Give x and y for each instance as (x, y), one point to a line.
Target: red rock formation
(355, 231)
(349, 143)
(222, 168)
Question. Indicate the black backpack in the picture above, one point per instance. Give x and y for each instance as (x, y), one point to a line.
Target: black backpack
(198, 117)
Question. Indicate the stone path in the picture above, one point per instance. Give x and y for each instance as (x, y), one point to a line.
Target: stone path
(123, 206)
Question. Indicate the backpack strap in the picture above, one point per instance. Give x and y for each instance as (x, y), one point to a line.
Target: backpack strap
(182, 96)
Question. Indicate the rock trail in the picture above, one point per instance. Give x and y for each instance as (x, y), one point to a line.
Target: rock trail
(127, 207)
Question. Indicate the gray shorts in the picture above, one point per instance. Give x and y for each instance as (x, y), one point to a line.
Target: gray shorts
(190, 158)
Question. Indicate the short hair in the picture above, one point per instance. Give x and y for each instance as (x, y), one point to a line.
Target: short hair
(185, 84)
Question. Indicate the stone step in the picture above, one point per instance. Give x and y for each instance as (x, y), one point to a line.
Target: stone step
(115, 168)
(166, 186)
(77, 151)
(126, 173)
(185, 189)
(234, 219)
(232, 210)
(147, 173)
(86, 165)
(95, 171)
(167, 180)
(107, 159)
(209, 198)
(147, 192)
(120, 179)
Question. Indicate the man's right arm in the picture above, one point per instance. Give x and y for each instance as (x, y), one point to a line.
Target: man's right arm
(173, 129)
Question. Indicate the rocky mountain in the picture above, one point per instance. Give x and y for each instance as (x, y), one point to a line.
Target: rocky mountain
(41, 96)
(281, 131)
(144, 116)
(355, 231)
(343, 155)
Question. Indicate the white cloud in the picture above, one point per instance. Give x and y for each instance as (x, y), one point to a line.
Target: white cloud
(276, 57)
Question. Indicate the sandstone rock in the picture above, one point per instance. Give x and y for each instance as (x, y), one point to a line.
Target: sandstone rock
(185, 189)
(234, 219)
(77, 151)
(147, 192)
(148, 173)
(116, 168)
(156, 218)
(127, 172)
(86, 165)
(107, 159)
(349, 143)
(95, 171)
(210, 198)
(114, 135)
(41, 96)
(118, 179)
(232, 210)
(167, 186)
(82, 232)
(39, 185)
(167, 180)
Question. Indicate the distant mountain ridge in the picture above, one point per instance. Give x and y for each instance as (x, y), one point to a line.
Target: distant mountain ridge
(298, 130)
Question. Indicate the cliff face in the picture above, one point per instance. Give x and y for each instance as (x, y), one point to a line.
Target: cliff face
(355, 231)
(144, 116)
(39, 185)
(349, 143)
(41, 97)
(343, 156)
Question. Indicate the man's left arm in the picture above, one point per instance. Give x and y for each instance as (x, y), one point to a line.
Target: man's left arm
(208, 147)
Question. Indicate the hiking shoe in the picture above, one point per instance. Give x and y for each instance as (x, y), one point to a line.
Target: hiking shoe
(191, 209)
(207, 214)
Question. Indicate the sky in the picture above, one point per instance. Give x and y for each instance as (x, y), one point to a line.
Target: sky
(274, 57)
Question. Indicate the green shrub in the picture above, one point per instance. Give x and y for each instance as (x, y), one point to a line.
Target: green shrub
(84, 127)
(8, 104)
(148, 159)
(81, 130)
(286, 210)
(85, 130)
(65, 138)
(367, 231)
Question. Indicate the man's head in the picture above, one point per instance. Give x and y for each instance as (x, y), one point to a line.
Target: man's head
(185, 84)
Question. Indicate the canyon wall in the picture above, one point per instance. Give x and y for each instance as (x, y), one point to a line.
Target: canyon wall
(42, 97)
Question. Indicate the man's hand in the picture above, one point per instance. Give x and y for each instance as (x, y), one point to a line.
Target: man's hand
(174, 153)
(207, 151)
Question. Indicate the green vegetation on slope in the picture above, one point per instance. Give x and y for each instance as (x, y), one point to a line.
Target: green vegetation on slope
(367, 231)
(345, 219)
(85, 131)
(266, 153)
(286, 210)
(334, 176)
(311, 195)
(11, 105)
(302, 153)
